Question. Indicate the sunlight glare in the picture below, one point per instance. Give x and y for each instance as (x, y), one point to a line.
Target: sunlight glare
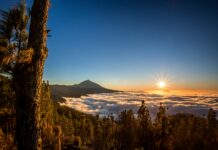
(161, 84)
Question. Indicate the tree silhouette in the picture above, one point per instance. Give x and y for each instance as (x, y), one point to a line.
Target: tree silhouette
(161, 128)
(212, 125)
(145, 130)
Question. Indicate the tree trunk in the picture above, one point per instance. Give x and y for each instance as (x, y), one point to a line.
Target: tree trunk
(28, 81)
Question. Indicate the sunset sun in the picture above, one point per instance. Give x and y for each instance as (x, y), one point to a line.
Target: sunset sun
(161, 84)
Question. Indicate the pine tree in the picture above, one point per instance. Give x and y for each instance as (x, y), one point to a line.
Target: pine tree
(13, 36)
(161, 128)
(212, 125)
(127, 130)
(145, 127)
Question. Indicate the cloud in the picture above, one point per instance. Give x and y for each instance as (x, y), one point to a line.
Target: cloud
(107, 103)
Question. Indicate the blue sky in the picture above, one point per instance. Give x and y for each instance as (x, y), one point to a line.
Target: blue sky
(130, 43)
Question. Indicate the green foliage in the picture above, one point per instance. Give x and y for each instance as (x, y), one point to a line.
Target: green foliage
(7, 95)
(46, 105)
(7, 114)
(13, 36)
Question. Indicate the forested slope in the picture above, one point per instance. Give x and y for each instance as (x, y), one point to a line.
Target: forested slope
(69, 129)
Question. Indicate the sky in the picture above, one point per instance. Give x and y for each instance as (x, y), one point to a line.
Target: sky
(131, 44)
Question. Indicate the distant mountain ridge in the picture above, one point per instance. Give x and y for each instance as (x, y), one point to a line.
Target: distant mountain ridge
(77, 90)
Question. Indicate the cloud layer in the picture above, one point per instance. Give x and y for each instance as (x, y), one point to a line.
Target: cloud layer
(107, 103)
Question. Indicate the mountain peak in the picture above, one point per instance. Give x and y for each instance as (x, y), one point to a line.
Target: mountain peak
(88, 84)
(86, 81)
(77, 90)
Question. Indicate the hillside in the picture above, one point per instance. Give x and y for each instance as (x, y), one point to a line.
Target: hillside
(82, 131)
(77, 90)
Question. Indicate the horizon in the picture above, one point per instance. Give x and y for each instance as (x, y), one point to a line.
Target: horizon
(156, 90)
(132, 45)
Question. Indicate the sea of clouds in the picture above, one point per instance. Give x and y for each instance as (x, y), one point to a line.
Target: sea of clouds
(107, 103)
